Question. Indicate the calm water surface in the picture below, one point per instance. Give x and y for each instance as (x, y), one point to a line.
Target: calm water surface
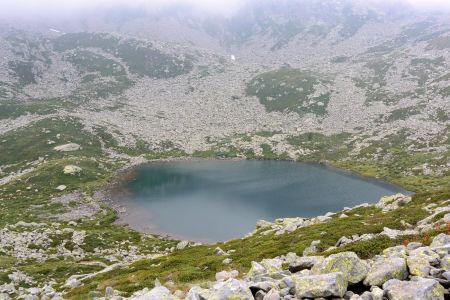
(220, 200)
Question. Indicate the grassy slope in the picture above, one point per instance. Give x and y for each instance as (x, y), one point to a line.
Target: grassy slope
(197, 264)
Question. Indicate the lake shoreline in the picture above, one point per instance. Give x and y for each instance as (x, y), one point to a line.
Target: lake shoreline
(115, 192)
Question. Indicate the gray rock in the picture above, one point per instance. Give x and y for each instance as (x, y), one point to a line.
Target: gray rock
(227, 261)
(157, 293)
(413, 245)
(219, 252)
(445, 263)
(256, 270)
(109, 292)
(67, 147)
(273, 294)
(326, 285)
(231, 289)
(197, 293)
(343, 241)
(398, 251)
(426, 253)
(422, 289)
(347, 263)
(446, 275)
(312, 249)
(418, 265)
(440, 240)
(259, 295)
(181, 245)
(377, 293)
(388, 203)
(61, 187)
(305, 262)
(225, 275)
(72, 170)
(386, 268)
(394, 234)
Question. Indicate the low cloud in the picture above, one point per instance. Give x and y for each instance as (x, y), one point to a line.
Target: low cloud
(38, 10)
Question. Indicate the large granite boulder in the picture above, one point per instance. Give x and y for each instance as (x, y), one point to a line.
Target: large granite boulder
(420, 289)
(426, 253)
(440, 240)
(386, 268)
(418, 266)
(230, 289)
(347, 263)
(158, 293)
(267, 267)
(397, 251)
(316, 286)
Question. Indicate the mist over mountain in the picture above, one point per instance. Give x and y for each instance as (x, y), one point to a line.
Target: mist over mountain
(91, 89)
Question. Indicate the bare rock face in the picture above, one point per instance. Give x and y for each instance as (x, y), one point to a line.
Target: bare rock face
(388, 203)
(421, 289)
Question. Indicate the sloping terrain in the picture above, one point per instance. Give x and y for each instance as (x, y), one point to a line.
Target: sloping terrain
(362, 86)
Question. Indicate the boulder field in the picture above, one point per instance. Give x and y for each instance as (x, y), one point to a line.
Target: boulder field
(406, 272)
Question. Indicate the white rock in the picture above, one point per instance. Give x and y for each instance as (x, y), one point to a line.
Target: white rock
(68, 147)
(72, 170)
(61, 187)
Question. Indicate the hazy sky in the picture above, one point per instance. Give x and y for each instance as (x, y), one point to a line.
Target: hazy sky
(62, 8)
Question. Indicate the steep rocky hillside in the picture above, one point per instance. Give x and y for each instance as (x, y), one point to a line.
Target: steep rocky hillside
(356, 84)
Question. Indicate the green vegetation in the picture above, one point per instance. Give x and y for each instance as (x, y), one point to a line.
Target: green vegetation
(28, 200)
(14, 108)
(322, 147)
(24, 71)
(141, 59)
(403, 113)
(291, 90)
(28, 144)
(87, 61)
(199, 264)
(424, 69)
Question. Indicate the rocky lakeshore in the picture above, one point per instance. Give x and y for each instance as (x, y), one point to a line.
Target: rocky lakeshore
(363, 86)
(406, 272)
(411, 270)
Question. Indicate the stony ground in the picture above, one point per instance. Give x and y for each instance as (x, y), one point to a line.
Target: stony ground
(364, 94)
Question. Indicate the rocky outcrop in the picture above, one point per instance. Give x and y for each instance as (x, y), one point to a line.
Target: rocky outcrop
(388, 203)
(392, 276)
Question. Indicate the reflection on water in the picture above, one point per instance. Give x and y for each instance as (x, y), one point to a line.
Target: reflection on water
(220, 200)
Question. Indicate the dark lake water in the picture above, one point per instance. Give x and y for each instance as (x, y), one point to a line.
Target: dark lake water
(220, 200)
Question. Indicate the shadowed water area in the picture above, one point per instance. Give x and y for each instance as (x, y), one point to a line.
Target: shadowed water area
(220, 200)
